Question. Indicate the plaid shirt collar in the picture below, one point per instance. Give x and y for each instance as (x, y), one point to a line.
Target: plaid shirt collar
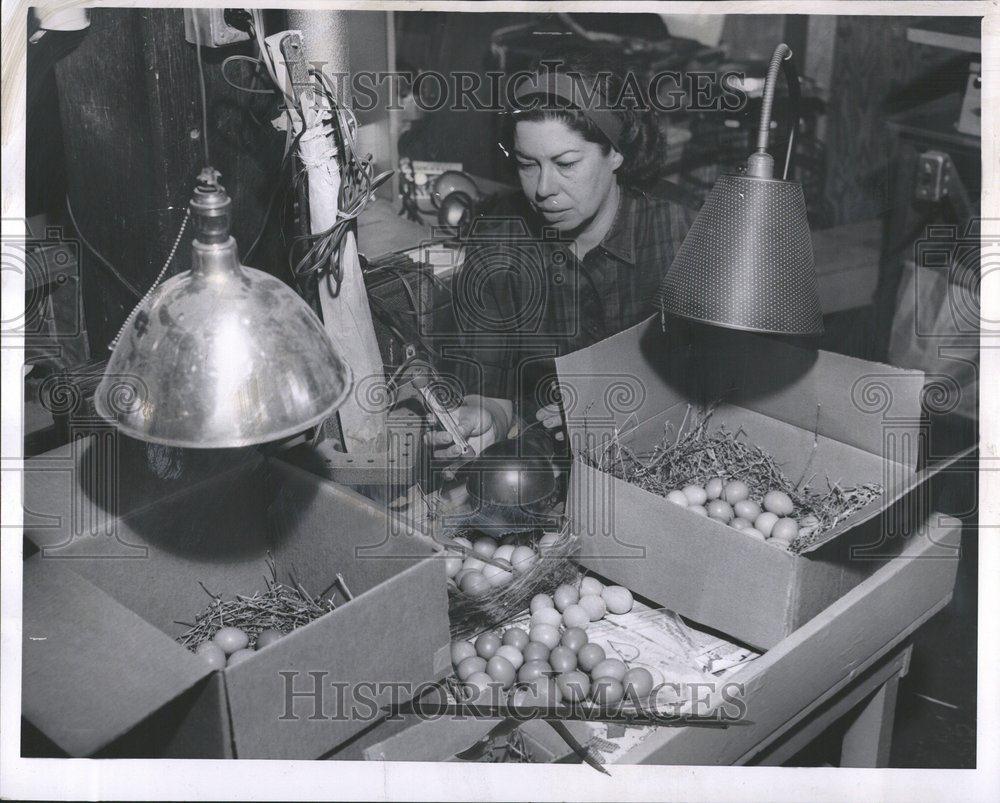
(620, 239)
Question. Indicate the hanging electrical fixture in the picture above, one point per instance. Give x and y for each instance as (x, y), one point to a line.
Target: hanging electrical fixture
(747, 262)
(221, 355)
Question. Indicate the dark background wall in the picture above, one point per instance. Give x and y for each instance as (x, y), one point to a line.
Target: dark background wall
(117, 123)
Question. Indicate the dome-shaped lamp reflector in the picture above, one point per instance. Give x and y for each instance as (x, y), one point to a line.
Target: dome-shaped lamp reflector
(222, 355)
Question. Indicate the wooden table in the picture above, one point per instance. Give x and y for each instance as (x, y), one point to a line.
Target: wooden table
(847, 661)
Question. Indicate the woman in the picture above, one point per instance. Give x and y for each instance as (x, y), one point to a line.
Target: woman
(589, 171)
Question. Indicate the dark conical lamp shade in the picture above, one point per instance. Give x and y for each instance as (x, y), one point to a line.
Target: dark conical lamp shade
(747, 262)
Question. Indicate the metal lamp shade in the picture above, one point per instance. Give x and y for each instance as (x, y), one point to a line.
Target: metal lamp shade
(747, 262)
(221, 356)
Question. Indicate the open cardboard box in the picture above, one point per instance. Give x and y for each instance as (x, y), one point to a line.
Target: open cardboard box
(819, 414)
(102, 673)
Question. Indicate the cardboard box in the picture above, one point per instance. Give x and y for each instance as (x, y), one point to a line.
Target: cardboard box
(817, 413)
(102, 673)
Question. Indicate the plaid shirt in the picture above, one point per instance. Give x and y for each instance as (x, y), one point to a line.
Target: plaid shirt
(522, 298)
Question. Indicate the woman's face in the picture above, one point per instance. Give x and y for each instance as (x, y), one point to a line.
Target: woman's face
(566, 178)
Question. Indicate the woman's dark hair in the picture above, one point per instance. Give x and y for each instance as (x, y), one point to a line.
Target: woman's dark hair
(640, 142)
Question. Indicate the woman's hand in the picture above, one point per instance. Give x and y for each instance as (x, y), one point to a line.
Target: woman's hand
(479, 419)
(551, 417)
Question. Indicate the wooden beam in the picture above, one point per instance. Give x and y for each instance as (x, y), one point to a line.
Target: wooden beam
(132, 131)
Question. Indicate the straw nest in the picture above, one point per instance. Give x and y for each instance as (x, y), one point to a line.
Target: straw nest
(696, 456)
(281, 607)
(472, 615)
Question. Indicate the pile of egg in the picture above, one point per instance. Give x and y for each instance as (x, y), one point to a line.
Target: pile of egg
(230, 645)
(468, 568)
(554, 660)
(729, 502)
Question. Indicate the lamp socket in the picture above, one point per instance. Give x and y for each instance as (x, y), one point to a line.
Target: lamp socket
(760, 165)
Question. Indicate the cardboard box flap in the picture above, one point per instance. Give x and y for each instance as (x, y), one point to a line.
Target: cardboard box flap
(890, 501)
(91, 667)
(636, 374)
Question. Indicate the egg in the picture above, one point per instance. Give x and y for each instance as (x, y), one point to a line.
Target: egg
(695, 495)
(753, 532)
(515, 637)
(501, 670)
(638, 683)
(487, 645)
(589, 656)
(535, 651)
(231, 639)
(785, 530)
(267, 637)
(543, 693)
(481, 688)
(714, 487)
(239, 655)
(573, 686)
(574, 638)
(607, 691)
(548, 539)
(541, 601)
(808, 524)
(736, 491)
(618, 599)
(453, 563)
(747, 509)
(609, 668)
(544, 634)
(591, 585)
(475, 584)
(765, 523)
(565, 596)
(739, 524)
(720, 510)
(532, 670)
(510, 653)
(504, 552)
(562, 659)
(779, 503)
(594, 605)
(678, 498)
(471, 564)
(458, 578)
(462, 541)
(546, 616)
(460, 650)
(698, 510)
(470, 666)
(211, 653)
(496, 576)
(575, 616)
(484, 547)
(522, 559)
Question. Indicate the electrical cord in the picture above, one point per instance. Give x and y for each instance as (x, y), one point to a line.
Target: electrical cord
(290, 144)
(114, 271)
(324, 250)
(244, 59)
(204, 98)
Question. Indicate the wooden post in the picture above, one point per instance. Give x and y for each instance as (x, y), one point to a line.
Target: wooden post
(346, 315)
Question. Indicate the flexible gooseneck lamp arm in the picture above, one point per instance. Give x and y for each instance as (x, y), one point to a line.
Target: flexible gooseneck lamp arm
(760, 164)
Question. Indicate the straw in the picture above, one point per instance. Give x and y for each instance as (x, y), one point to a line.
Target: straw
(697, 456)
